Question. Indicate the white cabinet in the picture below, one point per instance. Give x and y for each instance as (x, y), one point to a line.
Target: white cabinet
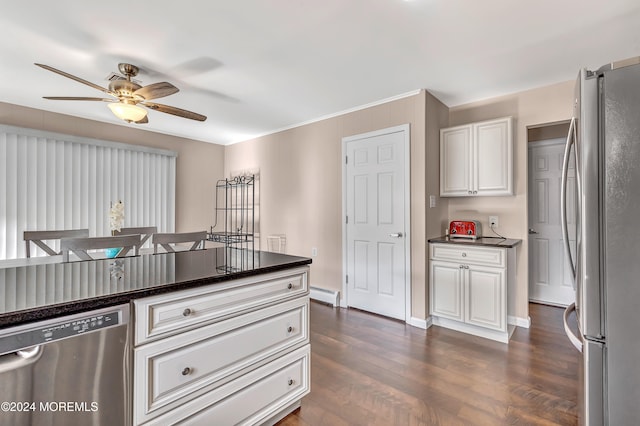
(468, 288)
(202, 353)
(477, 159)
(447, 290)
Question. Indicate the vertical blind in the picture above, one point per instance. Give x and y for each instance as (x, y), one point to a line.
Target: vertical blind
(52, 182)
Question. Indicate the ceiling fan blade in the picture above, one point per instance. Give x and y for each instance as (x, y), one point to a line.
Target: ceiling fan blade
(156, 90)
(174, 111)
(76, 98)
(145, 120)
(78, 79)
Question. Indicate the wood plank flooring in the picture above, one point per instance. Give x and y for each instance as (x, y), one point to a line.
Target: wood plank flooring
(371, 370)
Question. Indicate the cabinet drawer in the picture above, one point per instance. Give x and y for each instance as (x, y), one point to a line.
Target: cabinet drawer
(176, 369)
(250, 399)
(167, 314)
(466, 254)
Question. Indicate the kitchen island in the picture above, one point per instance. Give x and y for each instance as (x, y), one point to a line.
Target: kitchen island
(209, 340)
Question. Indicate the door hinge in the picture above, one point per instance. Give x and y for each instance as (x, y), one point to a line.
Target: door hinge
(346, 219)
(347, 278)
(346, 160)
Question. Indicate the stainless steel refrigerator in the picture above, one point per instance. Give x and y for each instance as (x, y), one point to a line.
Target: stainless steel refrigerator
(604, 137)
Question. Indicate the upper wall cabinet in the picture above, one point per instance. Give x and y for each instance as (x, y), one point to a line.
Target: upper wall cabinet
(477, 159)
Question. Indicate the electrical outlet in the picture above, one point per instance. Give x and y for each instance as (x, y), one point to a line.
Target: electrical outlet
(314, 251)
(493, 221)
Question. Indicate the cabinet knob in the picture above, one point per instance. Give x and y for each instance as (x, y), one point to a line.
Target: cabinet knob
(464, 254)
(470, 192)
(475, 192)
(289, 329)
(461, 266)
(186, 371)
(290, 286)
(290, 382)
(187, 312)
(466, 266)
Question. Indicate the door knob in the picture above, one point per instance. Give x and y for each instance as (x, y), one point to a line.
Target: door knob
(396, 235)
(532, 231)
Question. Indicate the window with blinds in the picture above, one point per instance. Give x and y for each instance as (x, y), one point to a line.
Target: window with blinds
(52, 182)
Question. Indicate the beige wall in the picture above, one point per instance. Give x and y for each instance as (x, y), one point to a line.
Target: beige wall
(550, 104)
(199, 164)
(301, 175)
(301, 185)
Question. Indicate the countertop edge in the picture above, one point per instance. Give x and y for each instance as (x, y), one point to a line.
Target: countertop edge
(73, 307)
(482, 242)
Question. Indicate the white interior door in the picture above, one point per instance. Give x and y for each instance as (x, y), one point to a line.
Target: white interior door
(549, 273)
(376, 224)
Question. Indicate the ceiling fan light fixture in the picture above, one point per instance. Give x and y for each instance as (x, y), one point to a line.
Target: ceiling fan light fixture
(127, 112)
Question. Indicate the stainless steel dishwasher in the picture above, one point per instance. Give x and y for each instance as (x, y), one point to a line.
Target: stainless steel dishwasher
(71, 370)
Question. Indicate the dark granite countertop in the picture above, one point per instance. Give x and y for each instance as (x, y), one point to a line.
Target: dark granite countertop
(484, 241)
(37, 292)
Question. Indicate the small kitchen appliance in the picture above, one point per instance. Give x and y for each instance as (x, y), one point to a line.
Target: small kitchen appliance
(465, 229)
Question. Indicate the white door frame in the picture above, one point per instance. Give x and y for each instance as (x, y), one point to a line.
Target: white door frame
(344, 301)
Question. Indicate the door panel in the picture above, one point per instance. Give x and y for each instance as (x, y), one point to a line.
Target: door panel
(485, 288)
(446, 290)
(361, 262)
(549, 273)
(385, 269)
(375, 229)
(491, 146)
(455, 160)
(385, 198)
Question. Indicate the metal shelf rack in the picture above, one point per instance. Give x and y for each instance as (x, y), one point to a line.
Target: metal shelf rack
(234, 224)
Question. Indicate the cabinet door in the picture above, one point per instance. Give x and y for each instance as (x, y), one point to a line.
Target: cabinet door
(446, 290)
(455, 160)
(492, 157)
(485, 302)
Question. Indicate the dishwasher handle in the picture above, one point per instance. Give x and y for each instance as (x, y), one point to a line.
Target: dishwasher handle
(19, 359)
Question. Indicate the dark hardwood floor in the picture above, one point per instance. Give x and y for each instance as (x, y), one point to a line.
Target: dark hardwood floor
(371, 370)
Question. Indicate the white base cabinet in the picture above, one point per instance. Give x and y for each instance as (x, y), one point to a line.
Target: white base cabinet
(229, 353)
(468, 289)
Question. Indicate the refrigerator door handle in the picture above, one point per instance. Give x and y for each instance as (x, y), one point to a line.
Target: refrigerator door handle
(563, 198)
(575, 340)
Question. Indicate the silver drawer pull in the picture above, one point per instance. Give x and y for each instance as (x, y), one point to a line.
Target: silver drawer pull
(290, 286)
(186, 371)
(289, 329)
(464, 254)
(290, 382)
(187, 312)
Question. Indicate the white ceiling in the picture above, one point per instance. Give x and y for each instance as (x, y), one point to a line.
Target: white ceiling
(254, 67)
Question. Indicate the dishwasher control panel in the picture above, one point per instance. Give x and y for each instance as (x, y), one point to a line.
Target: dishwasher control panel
(61, 328)
(81, 325)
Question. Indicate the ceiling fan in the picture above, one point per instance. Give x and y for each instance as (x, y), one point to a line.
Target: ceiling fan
(129, 95)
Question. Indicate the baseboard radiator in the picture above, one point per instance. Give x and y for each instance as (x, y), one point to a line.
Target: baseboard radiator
(331, 297)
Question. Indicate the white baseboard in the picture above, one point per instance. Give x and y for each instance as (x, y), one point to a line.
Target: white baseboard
(498, 336)
(331, 297)
(420, 323)
(519, 322)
